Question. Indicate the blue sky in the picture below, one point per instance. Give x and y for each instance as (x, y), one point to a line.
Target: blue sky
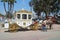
(18, 6)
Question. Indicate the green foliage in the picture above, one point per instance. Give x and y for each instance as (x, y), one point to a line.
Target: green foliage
(47, 6)
(1, 15)
(2, 25)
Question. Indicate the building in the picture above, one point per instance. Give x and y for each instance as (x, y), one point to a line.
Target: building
(2, 17)
(23, 18)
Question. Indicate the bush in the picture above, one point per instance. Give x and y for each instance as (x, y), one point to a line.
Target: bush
(2, 25)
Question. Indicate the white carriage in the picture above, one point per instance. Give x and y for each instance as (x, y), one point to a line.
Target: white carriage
(23, 18)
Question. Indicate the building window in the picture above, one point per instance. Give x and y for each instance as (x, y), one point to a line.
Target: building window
(24, 16)
(29, 16)
(18, 16)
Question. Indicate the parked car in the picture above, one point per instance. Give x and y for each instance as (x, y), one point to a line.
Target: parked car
(58, 18)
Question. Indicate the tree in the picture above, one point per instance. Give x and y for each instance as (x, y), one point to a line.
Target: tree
(10, 3)
(35, 4)
(47, 6)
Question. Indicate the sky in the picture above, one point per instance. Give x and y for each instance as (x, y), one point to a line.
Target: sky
(18, 6)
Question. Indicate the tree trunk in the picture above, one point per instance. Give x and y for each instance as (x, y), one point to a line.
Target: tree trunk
(4, 7)
(12, 7)
(47, 14)
(8, 6)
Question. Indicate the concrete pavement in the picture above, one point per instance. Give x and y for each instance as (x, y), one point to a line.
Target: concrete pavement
(53, 34)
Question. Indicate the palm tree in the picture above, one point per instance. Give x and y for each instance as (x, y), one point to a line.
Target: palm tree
(11, 7)
(10, 3)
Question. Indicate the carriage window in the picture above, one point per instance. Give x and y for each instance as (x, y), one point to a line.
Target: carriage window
(18, 16)
(24, 16)
(29, 16)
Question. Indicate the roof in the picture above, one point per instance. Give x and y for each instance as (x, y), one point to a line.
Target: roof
(23, 11)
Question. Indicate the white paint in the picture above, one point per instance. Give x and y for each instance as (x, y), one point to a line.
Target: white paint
(21, 23)
(6, 25)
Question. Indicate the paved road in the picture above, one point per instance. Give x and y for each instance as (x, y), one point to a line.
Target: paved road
(33, 35)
